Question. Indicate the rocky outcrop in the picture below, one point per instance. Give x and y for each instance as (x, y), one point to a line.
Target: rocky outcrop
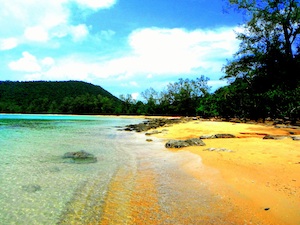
(184, 143)
(80, 157)
(153, 124)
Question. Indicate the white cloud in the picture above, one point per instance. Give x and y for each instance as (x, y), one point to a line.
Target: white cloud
(37, 33)
(96, 4)
(8, 43)
(39, 21)
(133, 83)
(153, 52)
(149, 76)
(79, 32)
(48, 61)
(162, 51)
(28, 63)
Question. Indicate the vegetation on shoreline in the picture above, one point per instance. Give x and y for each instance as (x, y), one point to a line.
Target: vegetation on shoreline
(56, 97)
(263, 78)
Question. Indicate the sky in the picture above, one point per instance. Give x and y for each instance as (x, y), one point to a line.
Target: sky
(124, 46)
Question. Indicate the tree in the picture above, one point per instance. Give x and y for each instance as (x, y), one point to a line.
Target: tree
(269, 40)
(127, 104)
(184, 95)
(179, 98)
(268, 57)
(152, 98)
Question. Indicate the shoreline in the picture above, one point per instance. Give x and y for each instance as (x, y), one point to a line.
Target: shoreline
(255, 182)
(259, 177)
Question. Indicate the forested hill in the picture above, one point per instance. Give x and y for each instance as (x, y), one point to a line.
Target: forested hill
(56, 97)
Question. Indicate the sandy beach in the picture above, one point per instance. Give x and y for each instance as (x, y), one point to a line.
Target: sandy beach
(259, 177)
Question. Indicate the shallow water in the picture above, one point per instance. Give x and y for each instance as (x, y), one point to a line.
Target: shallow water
(132, 182)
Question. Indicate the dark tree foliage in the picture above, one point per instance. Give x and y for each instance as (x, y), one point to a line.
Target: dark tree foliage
(179, 98)
(56, 97)
(269, 42)
(266, 68)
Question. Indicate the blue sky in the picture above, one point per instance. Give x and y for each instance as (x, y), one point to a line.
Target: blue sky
(125, 46)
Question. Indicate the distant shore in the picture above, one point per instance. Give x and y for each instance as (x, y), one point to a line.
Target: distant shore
(259, 176)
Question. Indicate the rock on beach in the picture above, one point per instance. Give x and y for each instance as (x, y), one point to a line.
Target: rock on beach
(185, 143)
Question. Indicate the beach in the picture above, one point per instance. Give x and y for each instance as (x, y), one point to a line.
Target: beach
(241, 179)
(258, 177)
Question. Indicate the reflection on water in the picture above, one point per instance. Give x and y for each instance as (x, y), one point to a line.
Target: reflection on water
(132, 182)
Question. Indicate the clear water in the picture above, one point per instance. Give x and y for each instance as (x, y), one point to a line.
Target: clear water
(132, 182)
(31, 149)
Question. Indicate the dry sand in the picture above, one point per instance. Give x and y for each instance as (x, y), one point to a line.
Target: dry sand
(261, 178)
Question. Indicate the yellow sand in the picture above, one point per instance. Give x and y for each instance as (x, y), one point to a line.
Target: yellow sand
(261, 178)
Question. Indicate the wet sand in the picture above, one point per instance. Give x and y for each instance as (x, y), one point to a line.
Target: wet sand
(256, 182)
(259, 179)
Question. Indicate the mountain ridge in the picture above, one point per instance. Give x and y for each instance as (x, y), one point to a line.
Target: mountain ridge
(56, 97)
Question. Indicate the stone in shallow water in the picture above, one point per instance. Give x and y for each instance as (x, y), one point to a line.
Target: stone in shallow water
(31, 188)
(54, 169)
(80, 157)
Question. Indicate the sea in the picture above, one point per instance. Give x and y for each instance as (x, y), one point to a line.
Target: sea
(135, 180)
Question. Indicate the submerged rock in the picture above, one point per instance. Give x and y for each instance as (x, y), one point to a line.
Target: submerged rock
(31, 188)
(80, 157)
(54, 169)
(184, 143)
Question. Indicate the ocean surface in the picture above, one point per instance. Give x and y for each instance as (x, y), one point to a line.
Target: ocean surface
(133, 181)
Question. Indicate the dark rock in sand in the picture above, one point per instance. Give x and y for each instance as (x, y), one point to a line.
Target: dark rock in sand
(274, 137)
(80, 157)
(176, 144)
(295, 138)
(224, 136)
(153, 132)
(207, 136)
(218, 150)
(217, 136)
(31, 188)
(184, 143)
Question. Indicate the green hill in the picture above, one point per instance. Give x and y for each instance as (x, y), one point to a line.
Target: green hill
(56, 97)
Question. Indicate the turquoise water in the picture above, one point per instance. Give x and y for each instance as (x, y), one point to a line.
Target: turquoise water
(132, 180)
(36, 183)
